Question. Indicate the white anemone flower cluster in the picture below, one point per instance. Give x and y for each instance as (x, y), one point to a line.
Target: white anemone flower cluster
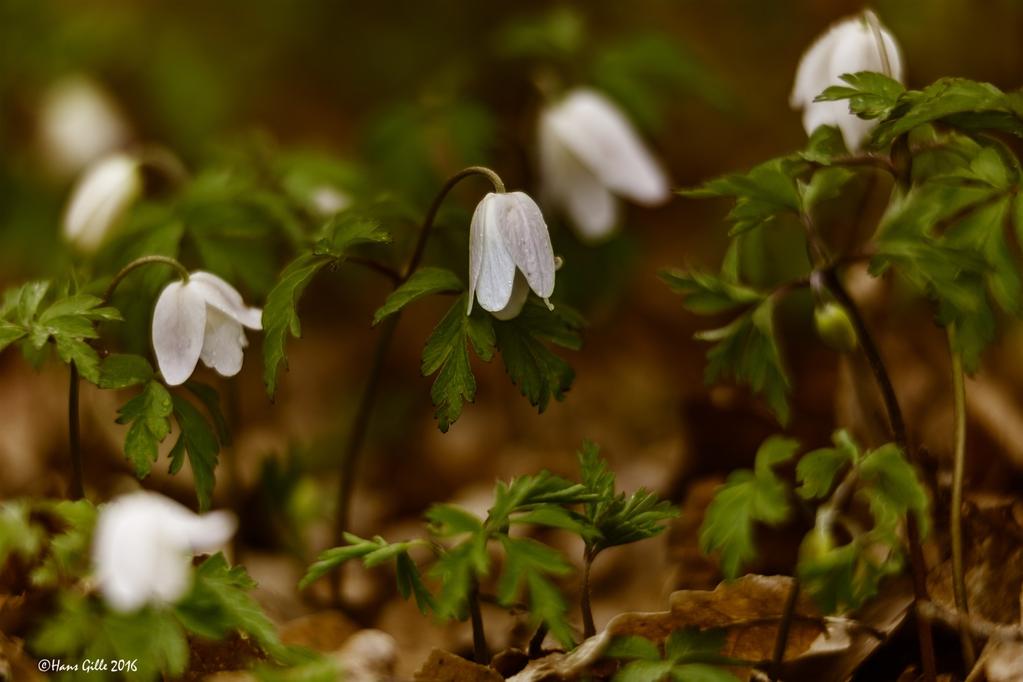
(855, 44)
(589, 155)
(202, 318)
(143, 548)
(100, 200)
(509, 253)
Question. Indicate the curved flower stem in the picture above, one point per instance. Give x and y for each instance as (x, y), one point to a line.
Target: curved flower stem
(956, 521)
(74, 421)
(140, 262)
(357, 435)
(74, 435)
(882, 48)
(898, 428)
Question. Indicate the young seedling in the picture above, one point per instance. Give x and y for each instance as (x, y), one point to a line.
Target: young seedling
(689, 654)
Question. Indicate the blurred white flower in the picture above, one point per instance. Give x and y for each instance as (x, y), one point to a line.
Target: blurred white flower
(589, 152)
(326, 201)
(509, 253)
(850, 46)
(143, 547)
(201, 318)
(100, 199)
(78, 123)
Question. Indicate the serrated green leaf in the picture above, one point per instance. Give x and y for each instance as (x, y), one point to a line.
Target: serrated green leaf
(746, 350)
(280, 314)
(119, 370)
(447, 353)
(643, 671)
(817, 470)
(707, 294)
(746, 498)
(423, 282)
(694, 644)
(199, 442)
(764, 193)
(893, 490)
(448, 521)
(871, 95)
(147, 414)
(210, 399)
(410, 582)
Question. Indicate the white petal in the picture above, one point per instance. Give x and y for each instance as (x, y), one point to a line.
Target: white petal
(100, 200)
(222, 343)
(521, 225)
(601, 137)
(495, 271)
(143, 546)
(226, 298)
(179, 325)
(519, 296)
(813, 73)
(573, 188)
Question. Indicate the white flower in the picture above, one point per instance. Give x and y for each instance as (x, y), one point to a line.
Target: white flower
(143, 547)
(79, 123)
(509, 254)
(100, 199)
(849, 46)
(201, 318)
(326, 201)
(589, 152)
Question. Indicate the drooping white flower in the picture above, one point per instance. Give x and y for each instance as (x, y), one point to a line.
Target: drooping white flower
(78, 123)
(849, 46)
(202, 318)
(100, 199)
(509, 253)
(143, 547)
(589, 154)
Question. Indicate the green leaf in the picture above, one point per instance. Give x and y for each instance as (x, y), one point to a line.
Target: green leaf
(18, 534)
(871, 95)
(330, 559)
(448, 521)
(707, 294)
(893, 490)
(817, 470)
(693, 644)
(825, 185)
(747, 497)
(9, 333)
(199, 442)
(532, 366)
(747, 351)
(423, 282)
(528, 562)
(122, 370)
(410, 582)
(762, 194)
(280, 314)
(447, 353)
(219, 603)
(210, 399)
(68, 556)
(826, 144)
(456, 570)
(643, 671)
(700, 672)
(632, 646)
(148, 415)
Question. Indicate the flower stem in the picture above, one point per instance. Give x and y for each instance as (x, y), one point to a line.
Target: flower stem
(956, 521)
(74, 435)
(356, 437)
(784, 626)
(898, 429)
(480, 651)
(140, 262)
(589, 628)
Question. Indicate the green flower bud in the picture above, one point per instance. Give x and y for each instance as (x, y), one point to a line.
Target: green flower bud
(817, 544)
(834, 327)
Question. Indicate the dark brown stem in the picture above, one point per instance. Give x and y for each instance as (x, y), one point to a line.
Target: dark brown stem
(589, 628)
(353, 447)
(74, 435)
(535, 649)
(898, 429)
(781, 641)
(480, 651)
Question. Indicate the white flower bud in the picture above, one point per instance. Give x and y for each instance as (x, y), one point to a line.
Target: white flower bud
(202, 318)
(509, 253)
(100, 200)
(850, 46)
(589, 154)
(143, 547)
